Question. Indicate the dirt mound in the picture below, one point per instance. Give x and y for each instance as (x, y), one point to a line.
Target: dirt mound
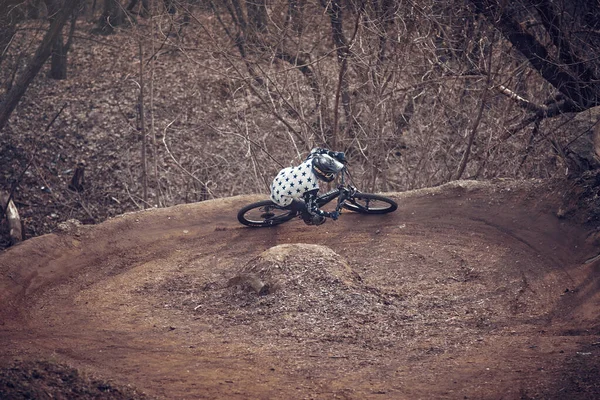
(305, 290)
(46, 380)
(295, 268)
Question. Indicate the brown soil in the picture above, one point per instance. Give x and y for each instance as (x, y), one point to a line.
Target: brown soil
(468, 291)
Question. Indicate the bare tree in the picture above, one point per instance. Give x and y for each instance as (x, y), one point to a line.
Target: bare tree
(10, 15)
(560, 36)
(60, 48)
(257, 15)
(560, 40)
(342, 46)
(43, 52)
(295, 13)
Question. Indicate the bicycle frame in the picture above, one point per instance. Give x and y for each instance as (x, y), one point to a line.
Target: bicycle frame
(342, 192)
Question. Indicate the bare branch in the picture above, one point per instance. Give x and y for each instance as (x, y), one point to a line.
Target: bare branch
(522, 102)
(185, 171)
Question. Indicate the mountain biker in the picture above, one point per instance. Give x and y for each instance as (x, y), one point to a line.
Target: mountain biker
(297, 187)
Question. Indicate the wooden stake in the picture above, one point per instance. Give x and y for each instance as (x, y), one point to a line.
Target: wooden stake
(12, 217)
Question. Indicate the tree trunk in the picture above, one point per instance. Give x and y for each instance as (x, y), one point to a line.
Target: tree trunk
(334, 9)
(33, 9)
(41, 55)
(257, 15)
(144, 9)
(58, 61)
(112, 17)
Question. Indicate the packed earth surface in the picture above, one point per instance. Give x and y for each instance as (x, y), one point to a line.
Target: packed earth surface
(472, 290)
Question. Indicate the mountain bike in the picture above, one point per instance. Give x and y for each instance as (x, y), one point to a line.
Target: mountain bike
(266, 213)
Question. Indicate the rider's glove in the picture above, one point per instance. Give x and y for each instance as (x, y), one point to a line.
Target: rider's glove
(334, 215)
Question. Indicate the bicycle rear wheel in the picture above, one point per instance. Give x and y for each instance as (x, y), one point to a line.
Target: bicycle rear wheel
(264, 214)
(367, 203)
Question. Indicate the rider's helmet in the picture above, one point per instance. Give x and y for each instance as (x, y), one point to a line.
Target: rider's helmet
(326, 167)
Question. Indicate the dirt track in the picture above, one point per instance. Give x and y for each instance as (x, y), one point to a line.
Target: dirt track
(471, 291)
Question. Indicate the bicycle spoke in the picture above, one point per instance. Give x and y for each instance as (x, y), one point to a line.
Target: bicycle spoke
(264, 214)
(367, 203)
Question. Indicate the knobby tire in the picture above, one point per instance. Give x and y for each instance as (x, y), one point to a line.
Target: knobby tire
(264, 214)
(367, 203)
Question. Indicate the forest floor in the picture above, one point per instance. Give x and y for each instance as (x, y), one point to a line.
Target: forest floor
(468, 291)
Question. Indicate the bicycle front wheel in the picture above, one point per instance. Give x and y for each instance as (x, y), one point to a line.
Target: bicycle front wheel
(264, 214)
(367, 203)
